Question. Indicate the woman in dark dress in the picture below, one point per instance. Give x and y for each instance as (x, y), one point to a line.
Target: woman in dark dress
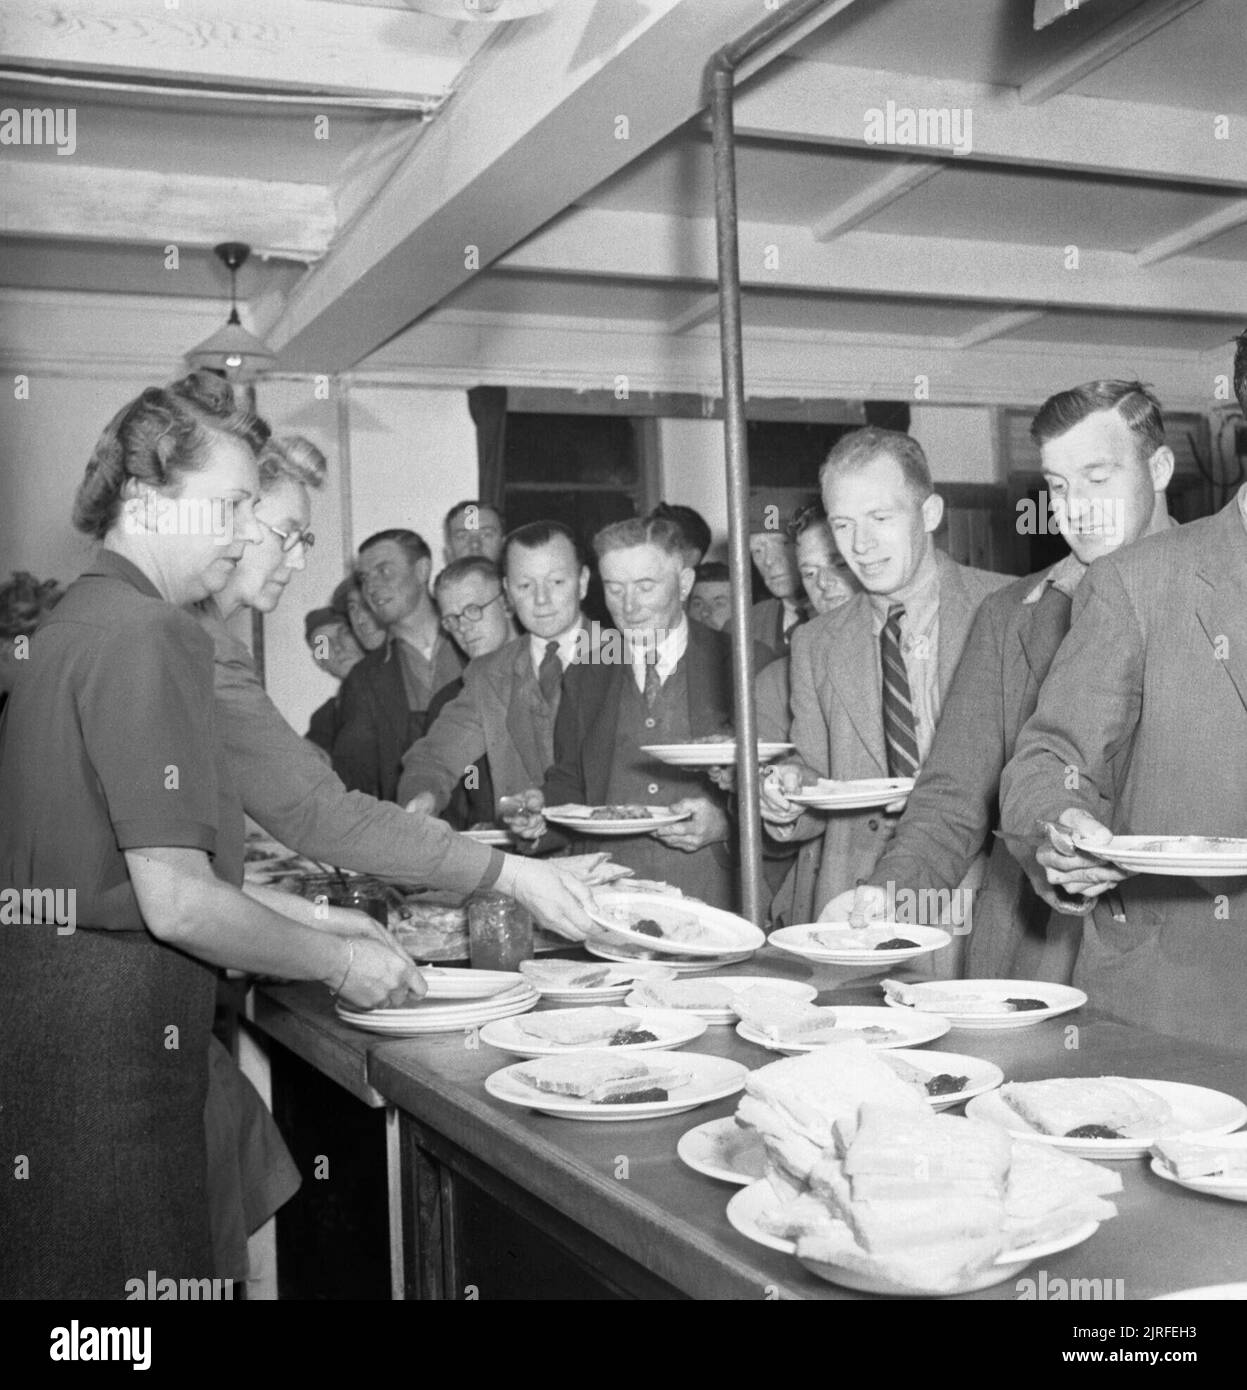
(115, 800)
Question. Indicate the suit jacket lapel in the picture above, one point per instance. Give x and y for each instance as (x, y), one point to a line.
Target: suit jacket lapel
(1221, 598)
(522, 695)
(1041, 631)
(599, 720)
(957, 610)
(850, 663)
(708, 664)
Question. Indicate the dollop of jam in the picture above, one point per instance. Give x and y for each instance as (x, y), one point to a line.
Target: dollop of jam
(627, 1036)
(946, 1084)
(647, 927)
(896, 943)
(636, 1097)
(1019, 1005)
(1093, 1132)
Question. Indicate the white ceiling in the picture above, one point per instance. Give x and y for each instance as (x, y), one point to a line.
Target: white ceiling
(521, 156)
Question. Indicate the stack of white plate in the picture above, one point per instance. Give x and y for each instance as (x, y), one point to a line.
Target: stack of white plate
(452, 1013)
(690, 965)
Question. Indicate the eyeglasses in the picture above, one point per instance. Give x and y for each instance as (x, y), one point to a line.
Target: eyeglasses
(289, 539)
(473, 613)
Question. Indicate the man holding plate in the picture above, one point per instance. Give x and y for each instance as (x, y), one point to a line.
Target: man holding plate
(666, 681)
(868, 678)
(1141, 728)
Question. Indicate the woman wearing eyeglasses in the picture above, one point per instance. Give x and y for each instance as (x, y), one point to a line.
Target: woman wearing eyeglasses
(116, 802)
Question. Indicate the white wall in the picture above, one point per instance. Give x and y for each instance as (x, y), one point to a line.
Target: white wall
(960, 442)
(693, 472)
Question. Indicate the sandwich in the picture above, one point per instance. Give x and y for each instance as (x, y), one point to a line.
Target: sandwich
(600, 1079)
(784, 1020)
(862, 939)
(576, 1027)
(1051, 1192)
(1186, 1158)
(566, 974)
(685, 994)
(950, 1002)
(1101, 1107)
(792, 1105)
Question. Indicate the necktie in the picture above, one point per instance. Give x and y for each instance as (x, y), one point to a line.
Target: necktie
(898, 710)
(550, 673)
(653, 686)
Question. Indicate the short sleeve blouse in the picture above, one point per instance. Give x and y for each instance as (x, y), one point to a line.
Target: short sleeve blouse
(109, 744)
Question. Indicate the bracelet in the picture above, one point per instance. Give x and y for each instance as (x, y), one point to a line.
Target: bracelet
(350, 961)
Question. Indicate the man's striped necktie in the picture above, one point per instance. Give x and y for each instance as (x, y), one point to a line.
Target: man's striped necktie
(899, 735)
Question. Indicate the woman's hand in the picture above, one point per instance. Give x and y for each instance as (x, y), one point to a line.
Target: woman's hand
(376, 974)
(558, 900)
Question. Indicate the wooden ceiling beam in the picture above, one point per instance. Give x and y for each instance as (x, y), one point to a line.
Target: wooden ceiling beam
(280, 44)
(822, 103)
(1195, 234)
(648, 246)
(68, 200)
(894, 185)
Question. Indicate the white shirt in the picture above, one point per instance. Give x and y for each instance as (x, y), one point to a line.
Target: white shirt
(567, 647)
(670, 650)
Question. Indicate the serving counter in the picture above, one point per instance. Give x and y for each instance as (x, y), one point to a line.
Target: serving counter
(626, 1217)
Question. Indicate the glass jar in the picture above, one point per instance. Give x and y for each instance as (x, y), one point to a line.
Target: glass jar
(500, 932)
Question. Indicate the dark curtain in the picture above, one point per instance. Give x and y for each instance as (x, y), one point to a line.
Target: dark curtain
(488, 405)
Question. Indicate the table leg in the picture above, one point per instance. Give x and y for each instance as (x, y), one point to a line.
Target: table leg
(394, 1189)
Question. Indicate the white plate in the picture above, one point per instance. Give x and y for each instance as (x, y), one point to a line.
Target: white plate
(1197, 1113)
(859, 795)
(794, 989)
(910, 1032)
(659, 817)
(982, 1076)
(416, 1027)
(722, 1149)
(447, 982)
(1232, 1189)
(725, 932)
(689, 965)
(750, 1204)
(799, 941)
(623, 982)
(721, 754)
(1062, 1000)
(713, 1078)
(1128, 852)
(671, 1029)
(1221, 1293)
(488, 836)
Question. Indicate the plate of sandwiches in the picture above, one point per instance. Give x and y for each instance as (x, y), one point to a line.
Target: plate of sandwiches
(590, 982)
(880, 943)
(602, 1085)
(598, 1026)
(791, 1027)
(1180, 856)
(985, 1004)
(1215, 1167)
(980, 1209)
(675, 926)
(441, 1015)
(682, 965)
(710, 752)
(828, 794)
(735, 1152)
(1108, 1117)
(712, 1000)
(613, 820)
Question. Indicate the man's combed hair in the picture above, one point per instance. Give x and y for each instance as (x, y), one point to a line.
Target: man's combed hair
(413, 545)
(464, 569)
(165, 432)
(713, 572)
(692, 524)
(535, 534)
(856, 450)
(1132, 400)
(625, 535)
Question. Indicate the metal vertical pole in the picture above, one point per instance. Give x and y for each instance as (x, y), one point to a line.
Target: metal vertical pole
(722, 72)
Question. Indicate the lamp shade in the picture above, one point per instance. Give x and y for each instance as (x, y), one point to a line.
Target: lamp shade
(232, 350)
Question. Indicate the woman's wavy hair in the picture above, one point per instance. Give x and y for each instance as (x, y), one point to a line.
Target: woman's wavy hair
(291, 457)
(164, 432)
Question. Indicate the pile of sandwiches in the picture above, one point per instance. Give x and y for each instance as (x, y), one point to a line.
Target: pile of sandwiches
(867, 1177)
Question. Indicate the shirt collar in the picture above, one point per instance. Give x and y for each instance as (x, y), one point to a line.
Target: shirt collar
(920, 598)
(567, 644)
(115, 566)
(670, 650)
